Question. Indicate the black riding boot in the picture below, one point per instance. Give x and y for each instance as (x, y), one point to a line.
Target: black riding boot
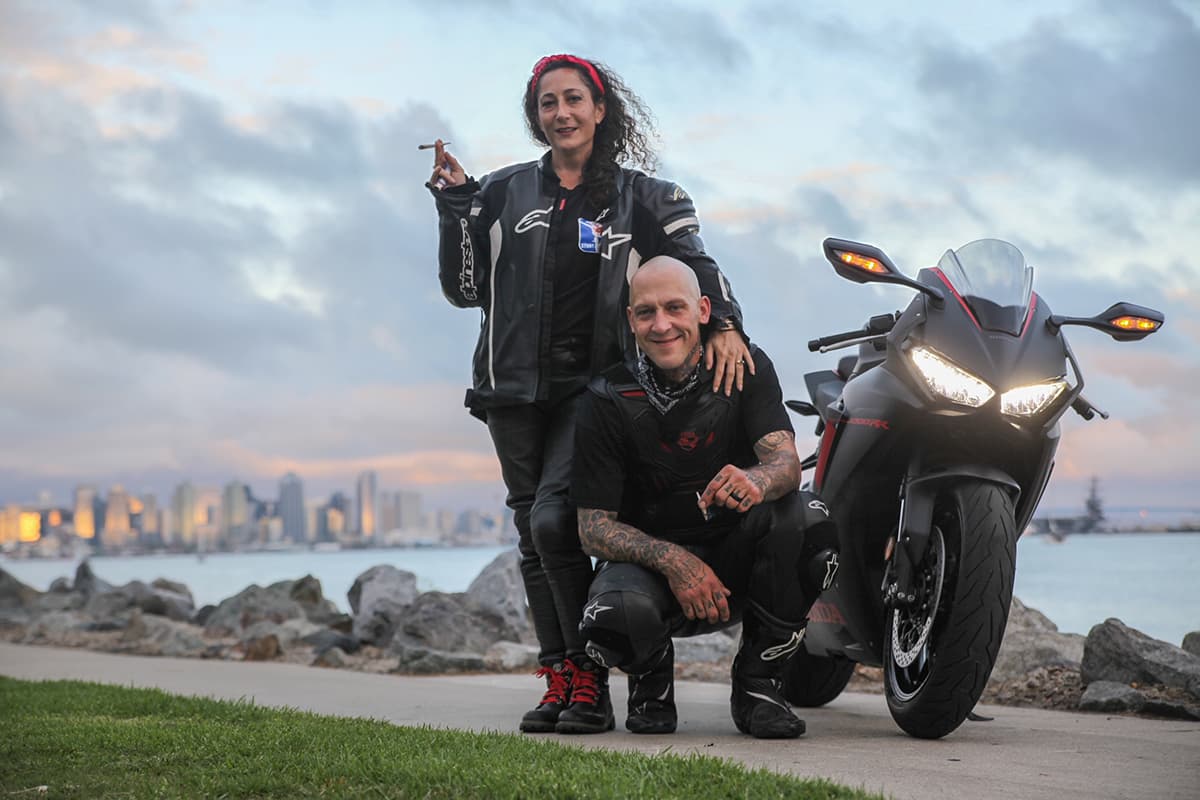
(652, 697)
(757, 702)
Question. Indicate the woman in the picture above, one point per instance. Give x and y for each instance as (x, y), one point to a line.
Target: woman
(545, 248)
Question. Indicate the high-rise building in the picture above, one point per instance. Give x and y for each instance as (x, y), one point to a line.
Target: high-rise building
(408, 511)
(291, 508)
(117, 529)
(84, 515)
(366, 506)
(151, 524)
(183, 515)
(235, 513)
(331, 518)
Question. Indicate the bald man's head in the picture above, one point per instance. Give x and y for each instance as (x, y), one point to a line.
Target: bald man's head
(666, 311)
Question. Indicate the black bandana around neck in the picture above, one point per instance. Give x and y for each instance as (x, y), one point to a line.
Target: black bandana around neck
(664, 398)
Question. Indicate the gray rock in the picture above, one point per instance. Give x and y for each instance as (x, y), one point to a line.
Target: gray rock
(1031, 641)
(324, 639)
(1116, 652)
(264, 648)
(1111, 696)
(13, 621)
(511, 656)
(424, 661)
(154, 635)
(286, 633)
(103, 625)
(499, 591)
(202, 614)
(60, 586)
(1023, 618)
(378, 599)
(58, 601)
(175, 587)
(106, 605)
(164, 602)
(440, 621)
(55, 626)
(14, 594)
(707, 648)
(317, 608)
(330, 657)
(1171, 708)
(1191, 643)
(253, 604)
(102, 605)
(87, 583)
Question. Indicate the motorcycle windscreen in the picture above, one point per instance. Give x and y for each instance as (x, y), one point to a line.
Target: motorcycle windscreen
(995, 282)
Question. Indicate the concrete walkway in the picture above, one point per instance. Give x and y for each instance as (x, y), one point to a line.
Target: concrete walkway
(1022, 753)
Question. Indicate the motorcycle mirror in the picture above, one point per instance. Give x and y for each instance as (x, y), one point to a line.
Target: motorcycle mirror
(864, 263)
(1125, 322)
(801, 407)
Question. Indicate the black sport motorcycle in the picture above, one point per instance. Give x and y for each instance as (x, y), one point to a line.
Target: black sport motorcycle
(936, 442)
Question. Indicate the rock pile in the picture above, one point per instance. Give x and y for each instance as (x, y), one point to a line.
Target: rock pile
(393, 627)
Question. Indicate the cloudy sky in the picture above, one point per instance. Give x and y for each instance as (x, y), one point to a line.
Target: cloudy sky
(217, 255)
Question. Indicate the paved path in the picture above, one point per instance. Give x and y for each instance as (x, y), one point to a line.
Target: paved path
(1022, 753)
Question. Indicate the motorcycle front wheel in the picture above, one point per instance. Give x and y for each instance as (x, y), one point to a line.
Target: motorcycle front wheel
(939, 650)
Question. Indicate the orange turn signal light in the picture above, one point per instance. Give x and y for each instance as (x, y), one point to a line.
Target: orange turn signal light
(1136, 324)
(862, 262)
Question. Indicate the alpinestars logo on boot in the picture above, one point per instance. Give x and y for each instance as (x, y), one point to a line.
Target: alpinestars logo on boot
(785, 649)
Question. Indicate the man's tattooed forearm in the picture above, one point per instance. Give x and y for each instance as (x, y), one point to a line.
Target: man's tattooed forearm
(604, 537)
(772, 442)
(778, 470)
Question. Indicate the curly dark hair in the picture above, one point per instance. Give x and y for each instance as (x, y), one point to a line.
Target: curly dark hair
(624, 136)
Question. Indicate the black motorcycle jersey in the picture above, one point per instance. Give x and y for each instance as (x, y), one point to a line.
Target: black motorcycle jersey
(649, 466)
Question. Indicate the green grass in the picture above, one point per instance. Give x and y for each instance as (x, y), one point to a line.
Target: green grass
(90, 740)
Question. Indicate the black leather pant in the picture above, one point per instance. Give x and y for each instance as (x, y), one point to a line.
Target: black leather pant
(775, 557)
(534, 444)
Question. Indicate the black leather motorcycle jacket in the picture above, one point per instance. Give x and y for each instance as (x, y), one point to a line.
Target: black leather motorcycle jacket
(493, 238)
(673, 456)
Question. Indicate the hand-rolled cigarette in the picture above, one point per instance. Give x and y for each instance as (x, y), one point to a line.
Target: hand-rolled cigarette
(431, 146)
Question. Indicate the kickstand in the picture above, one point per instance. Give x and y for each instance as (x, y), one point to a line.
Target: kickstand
(978, 717)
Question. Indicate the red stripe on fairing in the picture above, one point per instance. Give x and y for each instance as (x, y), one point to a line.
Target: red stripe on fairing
(827, 437)
(957, 296)
(1029, 316)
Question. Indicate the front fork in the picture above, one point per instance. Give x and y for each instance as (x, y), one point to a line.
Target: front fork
(918, 494)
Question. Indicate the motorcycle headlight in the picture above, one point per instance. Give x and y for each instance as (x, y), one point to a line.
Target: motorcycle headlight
(1025, 401)
(951, 382)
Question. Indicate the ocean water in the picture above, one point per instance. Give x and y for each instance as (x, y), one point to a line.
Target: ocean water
(1149, 581)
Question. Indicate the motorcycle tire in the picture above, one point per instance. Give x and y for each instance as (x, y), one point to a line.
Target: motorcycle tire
(933, 680)
(811, 681)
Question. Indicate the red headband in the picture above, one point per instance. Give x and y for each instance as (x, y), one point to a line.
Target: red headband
(544, 63)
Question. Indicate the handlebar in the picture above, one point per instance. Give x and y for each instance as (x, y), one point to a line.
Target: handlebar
(1083, 408)
(875, 327)
(816, 344)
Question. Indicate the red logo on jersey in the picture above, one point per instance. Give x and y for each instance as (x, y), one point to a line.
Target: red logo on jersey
(688, 441)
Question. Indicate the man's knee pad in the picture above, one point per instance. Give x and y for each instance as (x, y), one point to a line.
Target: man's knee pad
(624, 629)
(818, 571)
(819, 558)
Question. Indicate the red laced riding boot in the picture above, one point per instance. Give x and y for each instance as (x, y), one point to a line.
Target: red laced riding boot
(558, 687)
(590, 709)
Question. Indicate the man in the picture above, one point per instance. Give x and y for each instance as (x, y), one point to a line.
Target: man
(689, 499)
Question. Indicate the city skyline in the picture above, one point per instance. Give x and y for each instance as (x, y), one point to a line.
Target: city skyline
(217, 253)
(232, 517)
